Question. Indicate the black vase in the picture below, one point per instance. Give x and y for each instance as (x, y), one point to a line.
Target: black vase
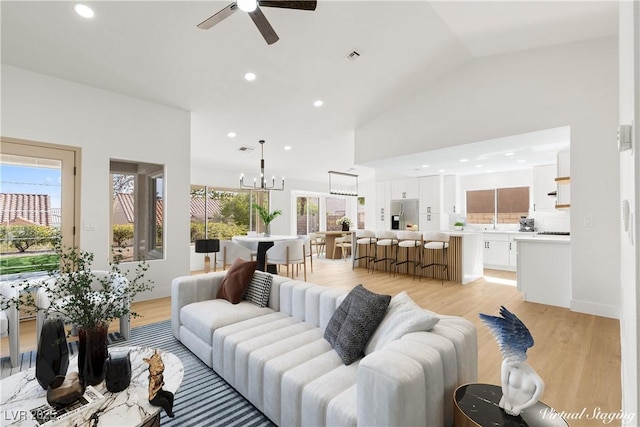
(345, 227)
(52, 359)
(92, 354)
(118, 375)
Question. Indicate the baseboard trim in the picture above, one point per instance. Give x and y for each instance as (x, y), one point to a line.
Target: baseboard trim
(604, 310)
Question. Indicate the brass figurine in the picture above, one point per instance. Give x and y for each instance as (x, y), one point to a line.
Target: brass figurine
(158, 396)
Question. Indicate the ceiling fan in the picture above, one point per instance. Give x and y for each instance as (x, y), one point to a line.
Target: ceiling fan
(252, 7)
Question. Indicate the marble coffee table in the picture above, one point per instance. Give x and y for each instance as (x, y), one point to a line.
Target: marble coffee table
(21, 392)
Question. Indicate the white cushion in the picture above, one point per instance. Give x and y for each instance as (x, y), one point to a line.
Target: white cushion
(409, 243)
(403, 316)
(198, 319)
(244, 349)
(276, 368)
(343, 409)
(296, 379)
(230, 343)
(317, 394)
(221, 334)
(435, 245)
(386, 242)
(259, 358)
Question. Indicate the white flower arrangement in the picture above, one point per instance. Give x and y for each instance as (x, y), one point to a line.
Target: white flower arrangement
(344, 221)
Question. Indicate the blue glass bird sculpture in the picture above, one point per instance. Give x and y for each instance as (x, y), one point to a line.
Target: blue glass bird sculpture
(521, 385)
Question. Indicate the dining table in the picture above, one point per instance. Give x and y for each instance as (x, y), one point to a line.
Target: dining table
(330, 242)
(260, 244)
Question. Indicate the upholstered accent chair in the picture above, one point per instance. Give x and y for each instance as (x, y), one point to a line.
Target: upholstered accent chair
(10, 323)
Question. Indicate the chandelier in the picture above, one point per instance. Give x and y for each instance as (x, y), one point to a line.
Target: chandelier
(263, 182)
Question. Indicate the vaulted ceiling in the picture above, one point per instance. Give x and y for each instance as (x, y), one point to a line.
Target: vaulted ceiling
(153, 50)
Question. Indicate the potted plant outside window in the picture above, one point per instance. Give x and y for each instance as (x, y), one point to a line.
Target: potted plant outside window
(267, 217)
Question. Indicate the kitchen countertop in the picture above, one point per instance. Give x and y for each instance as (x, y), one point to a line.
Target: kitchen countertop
(544, 238)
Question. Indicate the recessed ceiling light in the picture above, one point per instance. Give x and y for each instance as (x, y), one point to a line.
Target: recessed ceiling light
(521, 161)
(509, 154)
(441, 170)
(464, 160)
(425, 166)
(287, 147)
(250, 77)
(318, 103)
(247, 5)
(478, 166)
(231, 134)
(84, 10)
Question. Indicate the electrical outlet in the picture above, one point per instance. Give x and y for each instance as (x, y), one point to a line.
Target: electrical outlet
(588, 221)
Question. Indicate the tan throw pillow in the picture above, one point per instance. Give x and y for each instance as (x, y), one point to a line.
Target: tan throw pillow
(237, 280)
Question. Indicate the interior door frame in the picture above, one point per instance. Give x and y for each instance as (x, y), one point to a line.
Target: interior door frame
(70, 197)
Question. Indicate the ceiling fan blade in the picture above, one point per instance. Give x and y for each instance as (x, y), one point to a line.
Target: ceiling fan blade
(301, 5)
(263, 26)
(219, 16)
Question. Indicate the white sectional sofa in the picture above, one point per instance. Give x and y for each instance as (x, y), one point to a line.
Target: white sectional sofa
(277, 358)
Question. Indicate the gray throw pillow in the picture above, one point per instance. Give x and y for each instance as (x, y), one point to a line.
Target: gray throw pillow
(354, 321)
(259, 289)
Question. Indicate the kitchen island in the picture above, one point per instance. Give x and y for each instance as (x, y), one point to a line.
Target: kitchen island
(544, 269)
(464, 257)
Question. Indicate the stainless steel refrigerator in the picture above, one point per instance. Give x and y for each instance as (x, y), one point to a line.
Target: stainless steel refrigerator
(404, 214)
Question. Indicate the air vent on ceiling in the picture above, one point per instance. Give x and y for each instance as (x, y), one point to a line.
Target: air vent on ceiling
(353, 55)
(246, 148)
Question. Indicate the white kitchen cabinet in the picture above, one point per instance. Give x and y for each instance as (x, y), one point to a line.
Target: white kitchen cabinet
(513, 251)
(544, 270)
(383, 205)
(501, 250)
(431, 222)
(544, 182)
(496, 250)
(405, 189)
(431, 194)
(451, 197)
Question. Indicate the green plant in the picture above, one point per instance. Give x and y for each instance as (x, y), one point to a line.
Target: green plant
(122, 233)
(344, 221)
(86, 299)
(265, 215)
(22, 237)
(459, 224)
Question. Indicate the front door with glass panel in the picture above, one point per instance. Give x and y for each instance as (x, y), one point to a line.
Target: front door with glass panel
(37, 199)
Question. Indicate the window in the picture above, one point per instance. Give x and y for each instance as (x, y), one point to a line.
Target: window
(336, 209)
(307, 218)
(361, 205)
(502, 205)
(218, 213)
(138, 210)
(512, 203)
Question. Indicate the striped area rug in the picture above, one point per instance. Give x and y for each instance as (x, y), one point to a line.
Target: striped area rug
(203, 399)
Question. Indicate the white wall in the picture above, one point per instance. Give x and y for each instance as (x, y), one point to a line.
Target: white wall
(629, 167)
(568, 85)
(107, 125)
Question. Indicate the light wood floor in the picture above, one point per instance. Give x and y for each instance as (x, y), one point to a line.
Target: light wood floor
(577, 355)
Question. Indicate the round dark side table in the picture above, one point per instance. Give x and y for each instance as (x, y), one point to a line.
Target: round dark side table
(477, 405)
